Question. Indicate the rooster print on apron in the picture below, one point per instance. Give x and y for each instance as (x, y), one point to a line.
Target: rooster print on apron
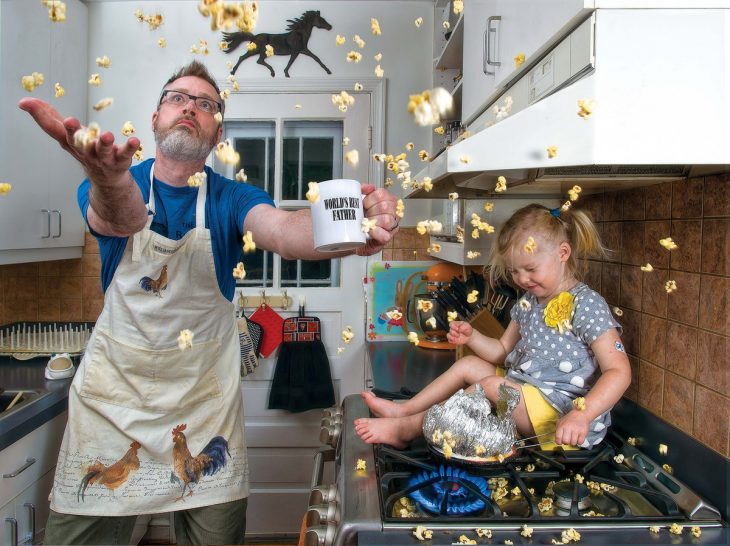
(153, 428)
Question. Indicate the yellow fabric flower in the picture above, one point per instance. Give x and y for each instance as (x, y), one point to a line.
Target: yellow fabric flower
(558, 312)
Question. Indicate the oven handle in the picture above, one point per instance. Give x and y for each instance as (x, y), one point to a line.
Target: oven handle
(323, 455)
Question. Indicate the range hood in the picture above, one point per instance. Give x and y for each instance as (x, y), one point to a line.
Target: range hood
(660, 79)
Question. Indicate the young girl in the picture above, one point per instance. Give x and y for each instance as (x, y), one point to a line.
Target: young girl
(561, 333)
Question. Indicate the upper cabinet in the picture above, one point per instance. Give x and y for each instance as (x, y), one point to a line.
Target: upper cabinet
(480, 42)
(40, 218)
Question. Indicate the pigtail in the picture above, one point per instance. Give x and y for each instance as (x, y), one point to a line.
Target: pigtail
(583, 235)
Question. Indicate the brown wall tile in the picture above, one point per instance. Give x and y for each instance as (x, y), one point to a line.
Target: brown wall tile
(593, 205)
(91, 288)
(716, 197)
(678, 403)
(714, 304)
(631, 281)
(716, 245)
(91, 265)
(20, 270)
(659, 201)
(49, 310)
(610, 282)
(633, 204)
(653, 339)
(683, 304)
(70, 268)
(654, 253)
(682, 354)
(654, 296)
(91, 246)
(711, 417)
(21, 310)
(687, 198)
(49, 287)
(632, 243)
(611, 237)
(592, 274)
(70, 288)
(21, 288)
(50, 269)
(387, 254)
(91, 308)
(631, 336)
(688, 236)
(71, 310)
(712, 362)
(612, 206)
(651, 387)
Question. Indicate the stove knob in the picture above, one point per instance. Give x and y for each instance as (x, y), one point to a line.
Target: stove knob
(320, 535)
(331, 412)
(322, 494)
(332, 420)
(330, 434)
(319, 514)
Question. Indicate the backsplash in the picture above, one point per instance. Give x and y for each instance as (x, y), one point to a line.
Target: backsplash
(63, 290)
(407, 245)
(677, 343)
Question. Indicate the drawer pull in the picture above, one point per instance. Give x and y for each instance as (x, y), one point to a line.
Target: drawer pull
(28, 462)
(13, 523)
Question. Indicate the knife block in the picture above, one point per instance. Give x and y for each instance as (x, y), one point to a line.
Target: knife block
(484, 323)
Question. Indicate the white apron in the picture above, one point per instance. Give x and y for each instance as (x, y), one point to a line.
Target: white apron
(136, 395)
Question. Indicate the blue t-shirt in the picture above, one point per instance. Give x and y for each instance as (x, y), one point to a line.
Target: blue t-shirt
(226, 206)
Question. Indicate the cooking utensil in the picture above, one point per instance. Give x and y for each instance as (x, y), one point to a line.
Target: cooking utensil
(455, 303)
(488, 461)
(15, 401)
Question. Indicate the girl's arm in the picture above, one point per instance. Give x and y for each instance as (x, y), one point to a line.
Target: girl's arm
(615, 379)
(495, 350)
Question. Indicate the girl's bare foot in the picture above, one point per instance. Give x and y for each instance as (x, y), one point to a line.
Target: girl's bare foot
(380, 407)
(394, 431)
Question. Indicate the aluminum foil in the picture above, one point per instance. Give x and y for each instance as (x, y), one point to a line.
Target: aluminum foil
(467, 426)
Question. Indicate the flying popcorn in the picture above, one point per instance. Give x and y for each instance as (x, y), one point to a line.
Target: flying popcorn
(483, 533)
(368, 224)
(347, 334)
(670, 286)
(359, 41)
(431, 323)
(241, 176)
(488, 207)
(218, 117)
(465, 159)
(379, 72)
(400, 208)
(375, 27)
(427, 183)
(185, 340)
(358, 86)
(421, 532)
(85, 136)
(458, 6)
(104, 62)
(585, 108)
(56, 10)
(525, 305)
(423, 155)
(196, 180)
(226, 153)
(162, 42)
(361, 464)
(139, 155)
(696, 531)
(676, 529)
(345, 141)
(618, 312)
(378, 57)
(428, 226)
(503, 111)
(439, 130)
(668, 243)
(451, 315)
(297, 106)
(269, 50)
(223, 45)
(31, 82)
(526, 531)
(127, 128)
(409, 146)
(473, 254)
(654, 528)
(343, 100)
(565, 206)
(552, 151)
(340, 350)
(248, 243)
(663, 449)
(424, 305)
(453, 196)
(154, 21)
(573, 193)
(239, 272)
(251, 46)
(530, 245)
(103, 103)
(413, 338)
(501, 184)
(95, 80)
(434, 248)
(579, 403)
(339, 40)
(418, 22)
(619, 458)
(632, 441)
(354, 57)
(225, 14)
(647, 268)
(668, 468)
(352, 157)
(58, 90)
(430, 106)
(5, 188)
(519, 59)
(472, 296)
(312, 194)
(225, 94)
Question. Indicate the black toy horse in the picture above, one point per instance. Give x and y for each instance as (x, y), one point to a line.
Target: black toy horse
(291, 43)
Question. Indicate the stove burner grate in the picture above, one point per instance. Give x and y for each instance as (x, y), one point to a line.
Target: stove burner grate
(449, 490)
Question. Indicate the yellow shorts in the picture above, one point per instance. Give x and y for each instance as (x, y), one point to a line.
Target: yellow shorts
(543, 417)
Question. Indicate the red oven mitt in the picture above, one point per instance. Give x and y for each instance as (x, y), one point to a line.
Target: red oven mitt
(271, 323)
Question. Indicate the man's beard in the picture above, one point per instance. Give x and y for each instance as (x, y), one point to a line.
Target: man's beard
(177, 143)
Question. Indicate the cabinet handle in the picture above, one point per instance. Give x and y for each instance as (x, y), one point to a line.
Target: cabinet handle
(30, 506)
(48, 224)
(323, 455)
(57, 235)
(13, 530)
(29, 461)
(490, 30)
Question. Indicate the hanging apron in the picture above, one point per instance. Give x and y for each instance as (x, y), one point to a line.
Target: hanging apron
(152, 428)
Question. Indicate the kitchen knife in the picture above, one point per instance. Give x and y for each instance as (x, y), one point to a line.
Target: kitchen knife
(456, 303)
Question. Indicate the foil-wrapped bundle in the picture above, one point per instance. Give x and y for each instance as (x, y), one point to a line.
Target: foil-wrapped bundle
(467, 427)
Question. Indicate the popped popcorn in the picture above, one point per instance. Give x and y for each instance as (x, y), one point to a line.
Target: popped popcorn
(654, 528)
(668, 468)
(241, 176)
(631, 441)
(59, 91)
(422, 533)
(463, 539)
(526, 531)
(676, 529)
(472, 254)
(413, 338)
(439, 130)
(434, 248)
(465, 158)
(503, 111)
(378, 57)
(248, 243)
(104, 62)
(453, 196)
(483, 533)
(579, 403)
(5, 188)
(128, 128)
(696, 531)
(670, 286)
(472, 296)
(573, 193)
(85, 136)
(225, 94)
(29, 83)
(424, 305)
(552, 151)
(225, 14)
(347, 334)
(379, 72)
(545, 505)
(358, 86)
(570, 535)
(488, 207)
(312, 194)
(663, 449)
(218, 117)
(185, 340)
(457, 6)
(361, 464)
(368, 224)
(269, 50)
(668, 243)
(375, 27)
(95, 79)
(431, 323)
(429, 106)
(530, 245)
(339, 40)
(56, 10)
(451, 315)
(154, 21)
(239, 272)
(343, 100)
(423, 155)
(340, 350)
(196, 180)
(647, 268)
(138, 155)
(103, 103)
(619, 458)
(359, 41)
(618, 312)
(501, 184)
(354, 57)
(352, 157)
(427, 184)
(162, 42)
(519, 59)
(585, 108)
(428, 226)
(418, 22)
(446, 25)
(530, 468)
(345, 141)
(400, 208)
(226, 153)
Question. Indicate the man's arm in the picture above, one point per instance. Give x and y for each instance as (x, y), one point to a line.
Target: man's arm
(116, 206)
(289, 233)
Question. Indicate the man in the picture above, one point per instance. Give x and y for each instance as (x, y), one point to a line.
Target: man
(153, 428)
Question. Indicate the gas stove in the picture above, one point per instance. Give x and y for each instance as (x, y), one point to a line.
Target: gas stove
(610, 494)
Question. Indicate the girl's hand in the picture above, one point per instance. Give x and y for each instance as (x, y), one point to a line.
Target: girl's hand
(459, 332)
(572, 428)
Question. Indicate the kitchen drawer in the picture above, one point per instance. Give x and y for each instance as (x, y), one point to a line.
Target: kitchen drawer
(280, 466)
(42, 445)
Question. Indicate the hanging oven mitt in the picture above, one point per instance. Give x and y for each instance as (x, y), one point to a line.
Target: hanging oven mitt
(249, 338)
(271, 323)
(302, 378)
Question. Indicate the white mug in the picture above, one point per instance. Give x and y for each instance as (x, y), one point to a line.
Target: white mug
(337, 216)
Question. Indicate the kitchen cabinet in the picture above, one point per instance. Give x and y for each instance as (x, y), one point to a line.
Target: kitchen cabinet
(39, 218)
(27, 468)
(479, 39)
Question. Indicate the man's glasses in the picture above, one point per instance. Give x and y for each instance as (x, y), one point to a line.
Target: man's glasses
(179, 98)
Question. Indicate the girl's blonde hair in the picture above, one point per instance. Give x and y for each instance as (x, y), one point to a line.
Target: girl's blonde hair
(573, 226)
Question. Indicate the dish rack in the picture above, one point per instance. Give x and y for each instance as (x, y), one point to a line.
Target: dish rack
(26, 340)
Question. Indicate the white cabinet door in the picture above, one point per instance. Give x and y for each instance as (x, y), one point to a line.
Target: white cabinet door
(525, 26)
(32, 509)
(8, 525)
(479, 78)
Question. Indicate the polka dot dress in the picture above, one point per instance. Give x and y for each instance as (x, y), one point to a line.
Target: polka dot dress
(562, 366)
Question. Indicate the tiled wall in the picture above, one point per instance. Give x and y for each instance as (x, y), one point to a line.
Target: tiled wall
(677, 343)
(65, 290)
(407, 245)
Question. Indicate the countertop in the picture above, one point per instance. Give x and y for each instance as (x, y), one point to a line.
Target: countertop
(28, 374)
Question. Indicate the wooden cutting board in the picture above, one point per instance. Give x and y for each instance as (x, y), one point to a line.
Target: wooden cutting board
(484, 323)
